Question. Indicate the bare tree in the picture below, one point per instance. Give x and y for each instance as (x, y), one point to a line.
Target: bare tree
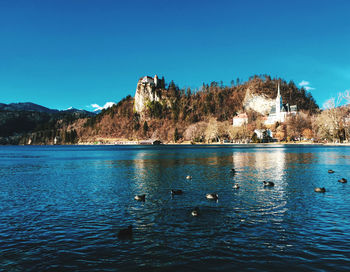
(332, 117)
(212, 131)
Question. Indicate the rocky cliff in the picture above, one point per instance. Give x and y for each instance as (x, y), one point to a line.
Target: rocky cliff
(257, 102)
(146, 91)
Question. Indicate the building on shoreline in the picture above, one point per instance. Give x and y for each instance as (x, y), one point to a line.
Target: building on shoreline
(262, 134)
(240, 120)
(279, 113)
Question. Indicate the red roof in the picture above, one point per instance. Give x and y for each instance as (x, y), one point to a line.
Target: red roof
(241, 116)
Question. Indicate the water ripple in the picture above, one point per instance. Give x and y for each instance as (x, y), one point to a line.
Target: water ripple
(62, 207)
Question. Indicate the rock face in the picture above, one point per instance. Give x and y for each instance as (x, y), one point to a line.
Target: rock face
(258, 103)
(146, 91)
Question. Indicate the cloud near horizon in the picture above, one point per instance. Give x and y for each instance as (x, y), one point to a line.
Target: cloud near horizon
(97, 107)
(306, 85)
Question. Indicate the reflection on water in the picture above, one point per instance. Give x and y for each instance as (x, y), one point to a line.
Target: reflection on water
(61, 208)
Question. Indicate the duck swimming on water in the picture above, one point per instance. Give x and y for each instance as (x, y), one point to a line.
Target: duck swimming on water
(330, 171)
(212, 196)
(125, 233)
(140, 197)
(268, 183)
(188, 177)
(320, 190)
(236, 186)
(343, 180)
(195, 211)
(176, 192)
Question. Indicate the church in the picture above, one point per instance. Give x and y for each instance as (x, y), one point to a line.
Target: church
(280, 111)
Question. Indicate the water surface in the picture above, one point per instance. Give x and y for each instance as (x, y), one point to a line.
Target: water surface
(61, 208)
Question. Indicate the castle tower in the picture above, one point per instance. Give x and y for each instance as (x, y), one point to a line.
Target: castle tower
(279, 104)
(155, 80)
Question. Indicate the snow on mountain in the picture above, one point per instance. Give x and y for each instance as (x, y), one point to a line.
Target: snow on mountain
(98, 108)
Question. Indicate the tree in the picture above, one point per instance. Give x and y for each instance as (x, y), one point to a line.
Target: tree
(135, 119)
(307, 133)
(212, 131)
(239, 134)
(281, 132)
(155, 109)
(195, 132)
(255, 138)
(332, 116)
(176, 135)
(145, 128)
(296, 124)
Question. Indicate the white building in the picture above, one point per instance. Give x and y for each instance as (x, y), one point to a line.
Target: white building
(279, 111)
(240, 120)
(260, 133)
(150, 80)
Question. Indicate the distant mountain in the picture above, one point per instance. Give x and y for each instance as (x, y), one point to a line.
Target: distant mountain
(79, 112)
(28, 106)
(19, 119)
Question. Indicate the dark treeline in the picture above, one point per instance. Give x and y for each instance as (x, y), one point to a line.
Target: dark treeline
(19, 127)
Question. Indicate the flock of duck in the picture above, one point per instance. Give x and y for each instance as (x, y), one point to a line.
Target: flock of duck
(323, 190)
(127, 233)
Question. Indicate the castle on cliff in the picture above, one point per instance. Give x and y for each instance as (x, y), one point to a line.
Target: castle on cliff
(150, 80)
(146, 91)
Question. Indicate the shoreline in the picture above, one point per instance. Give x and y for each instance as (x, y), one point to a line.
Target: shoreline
(122, 142)
(127, 143)
(185, 143)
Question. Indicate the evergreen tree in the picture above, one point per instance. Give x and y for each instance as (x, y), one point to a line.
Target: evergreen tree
(176, 135)
(145, 127)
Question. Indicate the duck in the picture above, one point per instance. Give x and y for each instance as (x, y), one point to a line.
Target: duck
(212, 196)
(233, 170)
(268, 183)
(343, 180)
(188, 177)
(140, 197)
(236, 186)
(125, 233)
(195, 211)
(176, 192)
(320, 190)
(330, 171)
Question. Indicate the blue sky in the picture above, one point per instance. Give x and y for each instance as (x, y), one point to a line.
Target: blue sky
(62, 53)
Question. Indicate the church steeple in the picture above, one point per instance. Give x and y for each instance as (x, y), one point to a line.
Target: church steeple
(279, 104)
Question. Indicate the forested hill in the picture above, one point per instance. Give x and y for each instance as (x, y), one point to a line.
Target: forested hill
(21, 123)
(179, 108)
(173, 115)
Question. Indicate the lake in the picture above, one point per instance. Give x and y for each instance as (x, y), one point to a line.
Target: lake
(61, 208)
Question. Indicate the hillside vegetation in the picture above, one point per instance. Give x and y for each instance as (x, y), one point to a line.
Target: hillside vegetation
(19, 126)
(200, 115)
(183, 110)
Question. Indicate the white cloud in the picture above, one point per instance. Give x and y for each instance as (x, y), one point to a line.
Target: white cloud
(308, 88)
(306, 85)
(96, 107)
